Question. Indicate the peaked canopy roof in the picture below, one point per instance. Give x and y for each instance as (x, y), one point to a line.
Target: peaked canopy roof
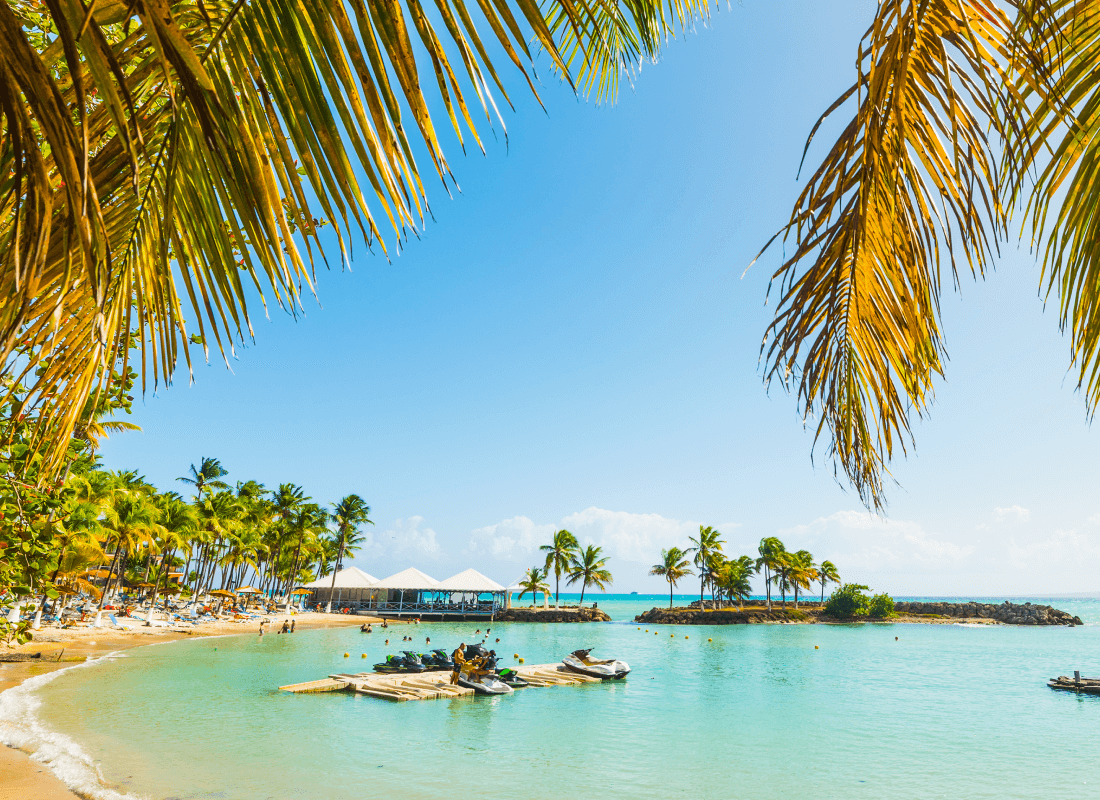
(347, 578)
(469, 581)
(410, 578)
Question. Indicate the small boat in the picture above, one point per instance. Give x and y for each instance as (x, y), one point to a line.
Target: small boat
(437, 660)
(633, 592)
(512, 678)
(1075, 684)
(607, 669)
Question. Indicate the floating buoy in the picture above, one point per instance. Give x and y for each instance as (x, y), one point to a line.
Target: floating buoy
(515, 655)
(710, 640)
(521, 661)
(673, 635)
(655, 633)
(816, 647)
(364, 655)
(685, 637)
(345, 655)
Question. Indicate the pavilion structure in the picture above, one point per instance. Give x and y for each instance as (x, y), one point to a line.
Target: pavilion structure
(412, 593)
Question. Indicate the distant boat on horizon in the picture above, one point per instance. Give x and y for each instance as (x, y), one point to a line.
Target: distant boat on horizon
(633, 592)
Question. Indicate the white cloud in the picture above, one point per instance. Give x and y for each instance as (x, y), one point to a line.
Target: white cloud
(1013, 514)
(623, 535)
(1094, 519)
(407, 537)
(863, 542)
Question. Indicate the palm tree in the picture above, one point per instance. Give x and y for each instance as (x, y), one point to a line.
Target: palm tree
(589, 568)
(559, 557)
(733, 578)
(276, 117)
(178, 523)
(827, 573)
(800, 572)
(706, 547)
(351, 512)
(206, 477)
(673, 567)
(771, 551)
(131, 521)
(534, 581)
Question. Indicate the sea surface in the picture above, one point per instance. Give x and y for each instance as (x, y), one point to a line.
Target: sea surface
(747, 712)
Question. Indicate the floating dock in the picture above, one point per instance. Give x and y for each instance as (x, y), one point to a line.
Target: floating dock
(1075, 684)
(428, 685)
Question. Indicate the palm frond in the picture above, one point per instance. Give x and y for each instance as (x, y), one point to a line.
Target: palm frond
(207, 140)
(912, 182)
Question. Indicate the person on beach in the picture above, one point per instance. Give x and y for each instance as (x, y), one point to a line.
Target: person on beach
(286, 627)
(293, 625)
(459, 657)
(261, 629)
(428, 640)
(384, 625)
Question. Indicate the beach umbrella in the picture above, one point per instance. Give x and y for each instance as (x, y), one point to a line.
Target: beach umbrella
(248, 590)
(222, 593)
(143, 586)
(95, 573)
(301, 591)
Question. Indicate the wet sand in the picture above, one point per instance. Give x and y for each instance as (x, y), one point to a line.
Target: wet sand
(22, 778)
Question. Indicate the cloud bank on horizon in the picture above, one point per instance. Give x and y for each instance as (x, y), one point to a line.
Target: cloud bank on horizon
(1010, 554)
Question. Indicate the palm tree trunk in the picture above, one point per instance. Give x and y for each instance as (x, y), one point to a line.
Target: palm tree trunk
(332, 586)
(583, 587)
(156, 588)
(768, 585)
(670, 594)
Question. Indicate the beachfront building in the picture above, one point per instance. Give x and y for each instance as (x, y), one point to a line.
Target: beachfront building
(353, 589)
(411, 593)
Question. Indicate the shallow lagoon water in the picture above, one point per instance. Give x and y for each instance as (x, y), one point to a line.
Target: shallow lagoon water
(946, 711)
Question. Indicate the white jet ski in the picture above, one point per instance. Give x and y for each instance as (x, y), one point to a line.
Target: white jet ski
(607, 669)
(485, 683)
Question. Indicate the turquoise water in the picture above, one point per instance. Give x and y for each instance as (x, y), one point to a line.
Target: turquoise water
(757, 713)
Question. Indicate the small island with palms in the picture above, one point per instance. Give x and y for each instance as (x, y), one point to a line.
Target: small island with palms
(795, 572)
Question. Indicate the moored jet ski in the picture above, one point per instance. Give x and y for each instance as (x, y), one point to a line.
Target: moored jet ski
(474, 676)
(607, 669)
(512, 678)
(437, 660)
(407, 662)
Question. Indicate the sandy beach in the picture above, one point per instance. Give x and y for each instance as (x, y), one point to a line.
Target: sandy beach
(20, 776)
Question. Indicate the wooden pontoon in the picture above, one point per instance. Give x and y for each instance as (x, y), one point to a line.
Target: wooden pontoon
(1075, 684)
(428, 685)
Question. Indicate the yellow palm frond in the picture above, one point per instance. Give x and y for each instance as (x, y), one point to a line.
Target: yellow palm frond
(204, 140)
(911, 182)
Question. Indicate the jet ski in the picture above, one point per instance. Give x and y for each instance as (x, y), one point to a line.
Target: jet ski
(512, 678)
(607, 669)
(407, 662)
(475, 676)
(437, 660)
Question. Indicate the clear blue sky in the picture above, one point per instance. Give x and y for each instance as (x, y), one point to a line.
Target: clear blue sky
(571, 344)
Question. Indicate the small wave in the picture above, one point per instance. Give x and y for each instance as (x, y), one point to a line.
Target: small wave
(21, 727)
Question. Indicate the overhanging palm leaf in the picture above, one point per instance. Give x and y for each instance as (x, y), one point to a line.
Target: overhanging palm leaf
(911, 181)
(208, 135)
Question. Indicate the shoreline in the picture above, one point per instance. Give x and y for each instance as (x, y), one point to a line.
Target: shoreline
(21, 776)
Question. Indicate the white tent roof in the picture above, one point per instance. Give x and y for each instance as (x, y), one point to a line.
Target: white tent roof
(347, 578)
(410, 578)
(469, 581)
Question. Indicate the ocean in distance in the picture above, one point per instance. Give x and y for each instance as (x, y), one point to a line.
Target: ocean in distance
(758, 713)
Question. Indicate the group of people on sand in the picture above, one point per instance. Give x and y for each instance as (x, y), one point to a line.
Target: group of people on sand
(288, 626)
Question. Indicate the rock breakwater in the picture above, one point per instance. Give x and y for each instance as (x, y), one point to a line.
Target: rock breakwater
(552, 615)
(1006, 612)
(726, 616)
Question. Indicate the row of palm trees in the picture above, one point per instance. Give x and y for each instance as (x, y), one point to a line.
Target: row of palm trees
(564, 556)
(121, 532)
(731, 578)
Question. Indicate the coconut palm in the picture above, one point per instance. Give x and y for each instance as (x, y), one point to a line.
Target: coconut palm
(800, 572)
(178, 522)
(351, 512)
(673, 567)
(160, 150)
(589, 569)
(130, 524)
(705, 547)
(206, 477)
(559, 556)
(534, 581)
(771, 555)
(827, 573)
(733, 578)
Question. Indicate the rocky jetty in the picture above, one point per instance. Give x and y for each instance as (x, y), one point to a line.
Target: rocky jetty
(552, 615)
(726, 616)
(1006, 612)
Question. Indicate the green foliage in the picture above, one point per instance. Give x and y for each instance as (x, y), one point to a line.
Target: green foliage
(848, 601)
(881, 606)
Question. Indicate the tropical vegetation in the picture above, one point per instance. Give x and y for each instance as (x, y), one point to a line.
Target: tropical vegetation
(850, 601)
(673, 567)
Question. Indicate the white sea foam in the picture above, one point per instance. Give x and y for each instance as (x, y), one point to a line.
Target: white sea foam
(20, 726)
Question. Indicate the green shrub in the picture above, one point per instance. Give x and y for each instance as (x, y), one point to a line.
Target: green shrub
(849, 601)
(881, 606)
